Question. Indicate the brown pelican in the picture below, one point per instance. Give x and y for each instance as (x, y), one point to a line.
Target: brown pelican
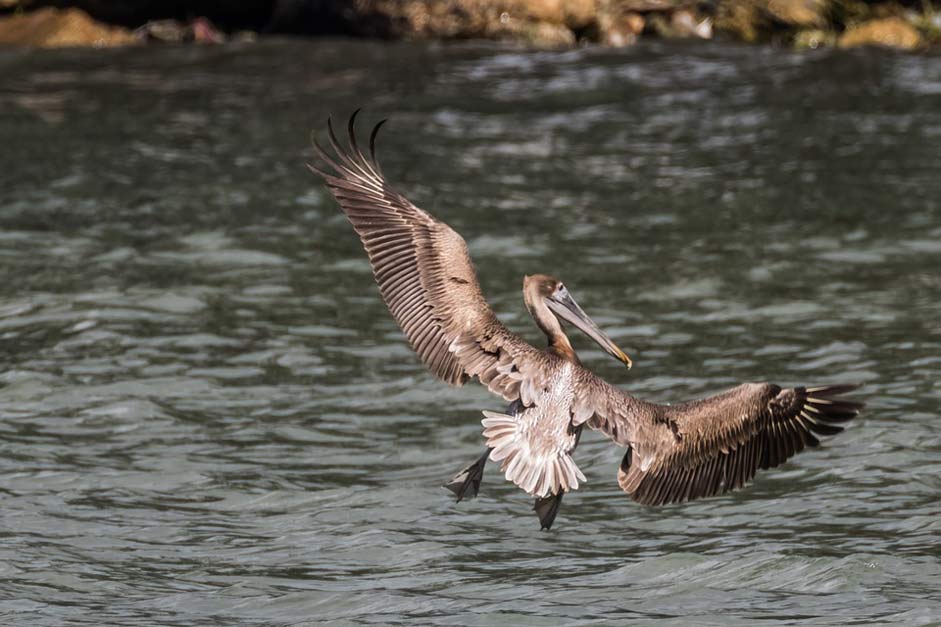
(675, 453)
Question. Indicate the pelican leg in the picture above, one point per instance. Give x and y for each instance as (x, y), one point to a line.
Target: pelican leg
(467, 482)
(547, 507)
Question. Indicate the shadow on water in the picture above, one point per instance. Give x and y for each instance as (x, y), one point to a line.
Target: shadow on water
(207, 415)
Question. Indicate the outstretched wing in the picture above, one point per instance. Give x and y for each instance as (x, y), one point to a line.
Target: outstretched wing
(425, 275)
(710, 446)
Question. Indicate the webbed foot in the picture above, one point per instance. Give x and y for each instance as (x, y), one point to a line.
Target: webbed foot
(467, 482)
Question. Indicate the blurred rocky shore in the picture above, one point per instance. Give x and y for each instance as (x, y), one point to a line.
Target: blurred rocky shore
(905, 25)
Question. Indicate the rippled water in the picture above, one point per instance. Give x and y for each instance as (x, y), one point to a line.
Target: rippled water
(208, 417)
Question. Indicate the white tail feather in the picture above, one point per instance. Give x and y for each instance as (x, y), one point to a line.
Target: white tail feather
(537, 464)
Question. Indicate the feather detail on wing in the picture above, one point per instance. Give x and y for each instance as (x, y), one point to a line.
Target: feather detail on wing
(425, 276)
(690, 450)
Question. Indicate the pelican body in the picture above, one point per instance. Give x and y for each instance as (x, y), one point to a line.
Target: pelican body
(674, 453)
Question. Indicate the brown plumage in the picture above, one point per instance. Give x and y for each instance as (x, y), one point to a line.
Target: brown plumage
(674, 452)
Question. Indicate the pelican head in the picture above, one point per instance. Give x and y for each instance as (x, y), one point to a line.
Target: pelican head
(546, 294)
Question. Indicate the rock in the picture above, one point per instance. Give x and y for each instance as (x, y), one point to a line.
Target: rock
(204, 32)
(165, 31)
(571, 13)
(618, 31)
(419, 19)
(680, 24)
(550, 11)
(742, 19)
(814, 38)
(889, 32)
(806, 13)
(649, 6)
(229, 15)
(59, 28)
(540, 34)
(580, 14)
(544, 23)
(684, 24)
(548, 35)
(200, 30)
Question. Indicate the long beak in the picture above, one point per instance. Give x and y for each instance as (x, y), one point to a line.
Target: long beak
(565, 307)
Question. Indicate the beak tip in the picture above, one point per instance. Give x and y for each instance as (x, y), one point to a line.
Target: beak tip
(627, 360)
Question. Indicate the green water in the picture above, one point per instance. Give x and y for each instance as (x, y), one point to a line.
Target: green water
(207, 416)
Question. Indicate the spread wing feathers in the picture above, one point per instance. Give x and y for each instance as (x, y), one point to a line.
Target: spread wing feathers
(425, 275)
(701, 448)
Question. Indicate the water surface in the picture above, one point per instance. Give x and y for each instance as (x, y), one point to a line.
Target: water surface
(207, 415)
